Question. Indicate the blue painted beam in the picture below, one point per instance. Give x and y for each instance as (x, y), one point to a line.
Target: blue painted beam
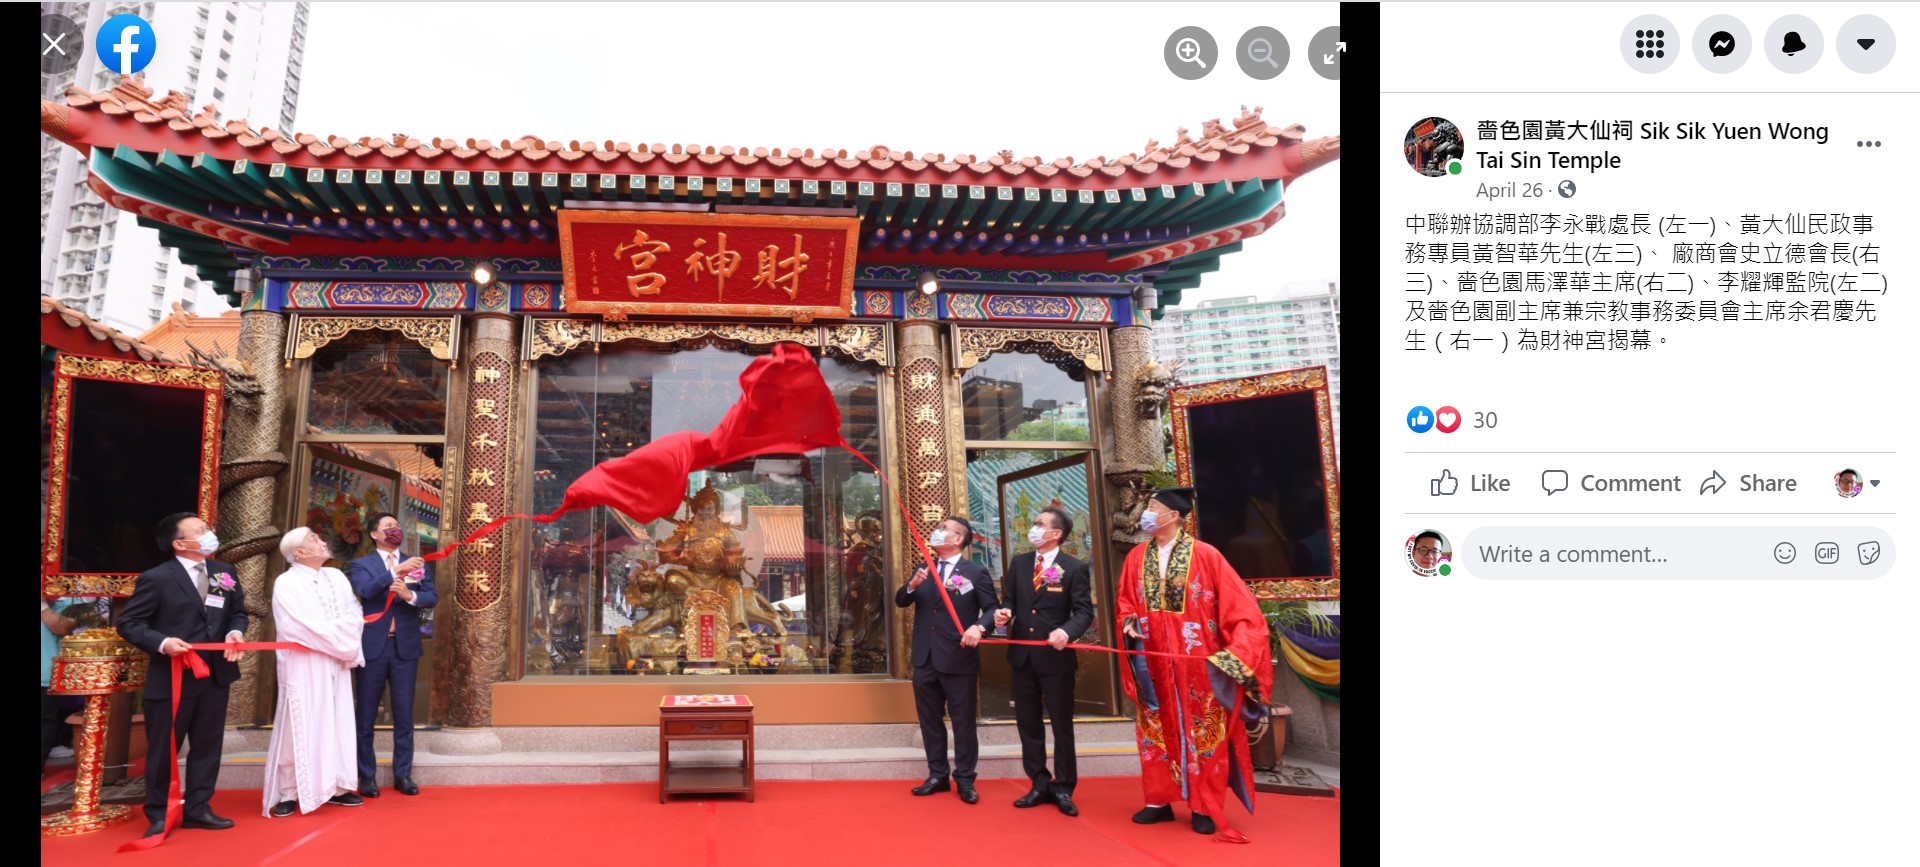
(899, 239)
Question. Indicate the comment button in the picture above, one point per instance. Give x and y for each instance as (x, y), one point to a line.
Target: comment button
(1676, 553)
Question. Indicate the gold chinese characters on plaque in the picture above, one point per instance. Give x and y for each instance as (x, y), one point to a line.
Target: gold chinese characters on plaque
(620, 263)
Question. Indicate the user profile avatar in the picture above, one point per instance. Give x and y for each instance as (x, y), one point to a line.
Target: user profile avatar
(1429, 553)
(1434, 147)
(1847, 482)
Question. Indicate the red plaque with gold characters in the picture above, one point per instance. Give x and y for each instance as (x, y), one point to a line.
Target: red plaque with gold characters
(620, 263)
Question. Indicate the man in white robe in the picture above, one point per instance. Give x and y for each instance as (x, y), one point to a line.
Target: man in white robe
(310, 758)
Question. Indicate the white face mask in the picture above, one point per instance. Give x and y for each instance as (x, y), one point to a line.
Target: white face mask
(936, 538)
(1148, 522)
(209, 543)
(1036, 535)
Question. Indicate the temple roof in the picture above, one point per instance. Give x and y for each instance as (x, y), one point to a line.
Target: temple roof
(132, 99)
(222, 193)
(62, 327)
(180, 333)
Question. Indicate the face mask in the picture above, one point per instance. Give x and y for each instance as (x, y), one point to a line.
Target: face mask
(1148, 522)
(209, 543)
(1036, 536)
(937, 538)
(393, 536)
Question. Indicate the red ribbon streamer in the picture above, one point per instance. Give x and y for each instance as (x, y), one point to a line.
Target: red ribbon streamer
(182, 663)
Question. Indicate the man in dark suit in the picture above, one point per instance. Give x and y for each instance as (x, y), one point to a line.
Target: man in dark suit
(190, 599)
(1055, 606)
(946, 665)
(392, 646)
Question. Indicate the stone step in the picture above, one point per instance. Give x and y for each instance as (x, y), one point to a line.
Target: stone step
(614, 739)
(246, 769)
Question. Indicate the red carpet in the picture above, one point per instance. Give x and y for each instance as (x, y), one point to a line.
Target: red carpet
(853, 823)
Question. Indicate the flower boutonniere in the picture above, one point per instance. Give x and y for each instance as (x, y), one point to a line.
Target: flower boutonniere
(1051, 575)
(223, 582)
(958, 584)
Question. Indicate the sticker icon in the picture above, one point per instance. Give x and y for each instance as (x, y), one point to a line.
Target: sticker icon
(1869, 553)
(1420, 419)
(1447, 419)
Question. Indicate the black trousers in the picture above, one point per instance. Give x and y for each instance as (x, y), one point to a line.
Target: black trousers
(51, 722)
(958, 697)
(203, 725)
(1033, 691)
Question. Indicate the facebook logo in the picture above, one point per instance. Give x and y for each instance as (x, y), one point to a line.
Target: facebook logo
(125, 44)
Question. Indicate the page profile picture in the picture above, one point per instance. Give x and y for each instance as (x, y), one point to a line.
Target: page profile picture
(1429, 554)
(1434, 147)
(1847, 483)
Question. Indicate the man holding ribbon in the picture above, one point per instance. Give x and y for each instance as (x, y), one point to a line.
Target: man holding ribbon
(946, 661)
(392, 646)
(1206, 674)
(190, 599)
(310, 757)
(1057, 610)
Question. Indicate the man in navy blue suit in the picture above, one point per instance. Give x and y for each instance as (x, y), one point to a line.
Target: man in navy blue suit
(392, 646)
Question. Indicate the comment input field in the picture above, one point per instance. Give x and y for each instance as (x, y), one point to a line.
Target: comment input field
(1676, 553)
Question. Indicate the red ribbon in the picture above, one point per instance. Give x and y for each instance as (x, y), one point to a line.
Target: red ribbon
(183, 663)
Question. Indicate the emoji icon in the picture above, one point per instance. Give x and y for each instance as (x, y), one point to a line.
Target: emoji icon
(1447, 419)
(1783, 553)
(1420, 419)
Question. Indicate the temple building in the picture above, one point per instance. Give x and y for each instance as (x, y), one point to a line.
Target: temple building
(455, 330)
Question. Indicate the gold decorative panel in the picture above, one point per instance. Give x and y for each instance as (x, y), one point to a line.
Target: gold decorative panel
(438, 335)
(973, 345)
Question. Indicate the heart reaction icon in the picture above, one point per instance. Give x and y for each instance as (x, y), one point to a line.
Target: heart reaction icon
(1447, 419)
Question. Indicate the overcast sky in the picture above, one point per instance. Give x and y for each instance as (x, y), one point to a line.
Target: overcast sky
(1049, 80)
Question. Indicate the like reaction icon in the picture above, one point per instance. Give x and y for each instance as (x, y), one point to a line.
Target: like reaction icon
(1420, 419)
(1447, 419)
(1443, 486)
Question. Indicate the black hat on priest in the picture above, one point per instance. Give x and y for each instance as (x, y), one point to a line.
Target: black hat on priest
(1177, 499)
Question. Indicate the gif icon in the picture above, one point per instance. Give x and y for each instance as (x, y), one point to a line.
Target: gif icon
(1826, 552)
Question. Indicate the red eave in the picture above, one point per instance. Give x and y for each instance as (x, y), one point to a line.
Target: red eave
(1247, 149)
(69, 330)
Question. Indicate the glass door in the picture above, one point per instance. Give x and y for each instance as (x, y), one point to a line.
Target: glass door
(1022, 486)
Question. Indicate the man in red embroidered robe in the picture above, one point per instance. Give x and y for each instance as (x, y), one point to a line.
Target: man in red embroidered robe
(1178, 595)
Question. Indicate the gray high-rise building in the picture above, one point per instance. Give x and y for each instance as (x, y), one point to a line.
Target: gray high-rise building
(244, 58)
(1242, 336)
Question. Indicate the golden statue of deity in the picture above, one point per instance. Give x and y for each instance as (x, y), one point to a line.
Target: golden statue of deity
(706, 595)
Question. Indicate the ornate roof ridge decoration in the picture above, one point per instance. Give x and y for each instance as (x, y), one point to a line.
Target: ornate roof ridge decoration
(554, 336)
(439, 335)
(1248, 133)
(1061, 346)
(99, 331)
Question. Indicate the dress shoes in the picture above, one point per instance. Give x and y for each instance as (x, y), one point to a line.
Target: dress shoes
(368, 788)
(155, 829)
(1034, 798)
(206, 821)
(933, 784)
(1065, 803)
(1202, 824)
(1151, 815)
(346, 799)
(406, 786)
(968, 794)
(284, 809)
